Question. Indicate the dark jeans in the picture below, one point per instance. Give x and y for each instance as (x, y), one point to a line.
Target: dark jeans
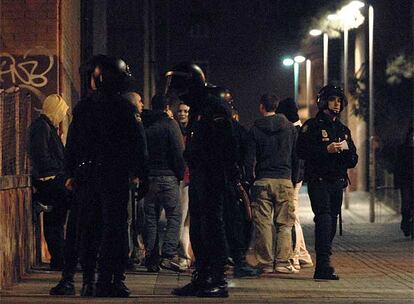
(238, 228)
(103, 228)
(326, 202)
(72, 244)
(163, 193)
(53, 192)
(207, 233)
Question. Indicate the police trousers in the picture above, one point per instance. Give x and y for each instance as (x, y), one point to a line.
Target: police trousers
(326, 202)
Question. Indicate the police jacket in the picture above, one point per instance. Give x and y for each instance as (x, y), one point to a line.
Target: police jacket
(106, 134)
(165, 145)
(45, 148)
(272, 146)
(314, 137)
(210, 144)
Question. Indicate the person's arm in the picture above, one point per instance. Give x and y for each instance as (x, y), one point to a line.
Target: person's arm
(176, 149)
(250, 156)
(40, 150)
(350, 157)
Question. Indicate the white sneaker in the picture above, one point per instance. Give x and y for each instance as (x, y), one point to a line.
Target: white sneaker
(305, 262)
(286, 269)
(296, 263)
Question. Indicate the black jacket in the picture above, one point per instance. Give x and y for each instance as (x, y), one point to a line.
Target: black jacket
(165, 145)
(105, 132)
(45, 149)
(272, 146)
(404, 173)
(210, 145)
(314, 137)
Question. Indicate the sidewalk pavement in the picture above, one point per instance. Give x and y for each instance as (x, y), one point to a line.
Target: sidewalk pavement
(374, 260)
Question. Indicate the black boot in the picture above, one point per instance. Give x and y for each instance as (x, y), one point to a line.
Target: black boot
(120, 290)
(104, 286)
(65, 287)
(88, 285)
(325, 273)
(215, 287)
(192, 288)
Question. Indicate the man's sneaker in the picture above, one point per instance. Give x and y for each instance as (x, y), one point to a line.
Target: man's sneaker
(327, 273)
(288, 268)
(189, 290)
(296, 263)
(306, 262)
(172, 264)
(184, 263)
(246, 271)
(63, 288)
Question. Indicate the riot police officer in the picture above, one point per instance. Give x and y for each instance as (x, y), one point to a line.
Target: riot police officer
(328, 150)
(104, 153)
(238, 225)
(210, 155)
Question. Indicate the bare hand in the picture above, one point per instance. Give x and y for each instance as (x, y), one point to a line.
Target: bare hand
(69, 183)
(334, 147)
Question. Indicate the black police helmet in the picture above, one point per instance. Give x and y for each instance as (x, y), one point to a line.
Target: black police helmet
(329, 91)
(183, 78)
(113, 70)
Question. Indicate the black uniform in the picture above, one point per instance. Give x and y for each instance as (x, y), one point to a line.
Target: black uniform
(210, 154)
(326, 175)
(104, 149)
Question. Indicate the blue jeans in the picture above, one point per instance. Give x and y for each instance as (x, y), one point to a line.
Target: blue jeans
(163, 193)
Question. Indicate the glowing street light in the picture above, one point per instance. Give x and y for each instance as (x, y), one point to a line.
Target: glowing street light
(315, 32)
(288, 61)
(299, 59)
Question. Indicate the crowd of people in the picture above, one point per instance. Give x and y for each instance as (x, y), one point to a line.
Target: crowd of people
(221, 187)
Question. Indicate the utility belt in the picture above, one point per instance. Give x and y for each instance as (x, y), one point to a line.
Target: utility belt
(343, 181)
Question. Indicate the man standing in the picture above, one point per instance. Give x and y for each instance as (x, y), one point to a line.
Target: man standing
(48, 168)
(210, 155)
(272, 146)
(104, 153)
(301, 256)
(328, 150)
(166, 170)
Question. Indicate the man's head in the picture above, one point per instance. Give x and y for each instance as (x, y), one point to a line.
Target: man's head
(135, 99)
(55, 108)
(182, 113)
(288, 108)
(268, 104)
(160, 103)
(331, 99)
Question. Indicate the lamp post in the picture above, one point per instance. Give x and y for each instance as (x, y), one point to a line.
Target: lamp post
(308, 84)
(371, 128)
(316, 32)
(298, 60)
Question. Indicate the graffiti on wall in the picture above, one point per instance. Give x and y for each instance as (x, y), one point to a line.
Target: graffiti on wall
(34, 71)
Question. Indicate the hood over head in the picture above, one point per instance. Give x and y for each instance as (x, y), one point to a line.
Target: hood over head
(55, 108)
(272, 124)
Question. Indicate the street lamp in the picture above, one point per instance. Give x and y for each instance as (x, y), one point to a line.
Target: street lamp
(315, 33)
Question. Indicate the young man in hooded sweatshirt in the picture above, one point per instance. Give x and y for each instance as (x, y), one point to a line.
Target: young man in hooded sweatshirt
(48, 167)
(272, 147)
